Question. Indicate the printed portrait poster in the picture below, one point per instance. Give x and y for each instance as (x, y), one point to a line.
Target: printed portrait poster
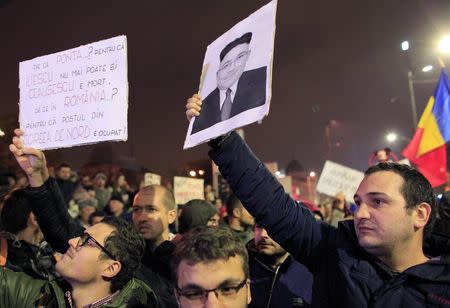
(76, 96)
(235, 85)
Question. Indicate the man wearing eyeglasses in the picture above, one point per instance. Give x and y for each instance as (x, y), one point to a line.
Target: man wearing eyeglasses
(58, 227)
(236, 90)
(211, 269)
(98, 267)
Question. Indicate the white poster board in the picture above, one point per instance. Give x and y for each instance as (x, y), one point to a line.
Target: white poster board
(186, 189)
(152, 179)
(77, 96)
(237, 66)
(335, 178)
(286, 181)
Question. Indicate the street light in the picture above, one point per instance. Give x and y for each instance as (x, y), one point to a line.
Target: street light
(411, 81)
(444, 44)
(391, 137)
(405, 45)
(427, 68)
(2, 133)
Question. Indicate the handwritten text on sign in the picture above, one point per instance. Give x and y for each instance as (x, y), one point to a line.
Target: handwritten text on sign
(74, 97)
(335, 178)
(186, 189)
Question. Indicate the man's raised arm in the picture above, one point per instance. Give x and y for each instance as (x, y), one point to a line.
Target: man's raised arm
(288, 223)
(47, 202)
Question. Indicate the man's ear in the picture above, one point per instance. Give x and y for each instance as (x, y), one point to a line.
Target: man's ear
(32, 221)
(422, 215)
(237, 212)
(171, 216)
(112, 269)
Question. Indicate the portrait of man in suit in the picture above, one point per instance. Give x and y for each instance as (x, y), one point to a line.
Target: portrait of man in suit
(237, 90)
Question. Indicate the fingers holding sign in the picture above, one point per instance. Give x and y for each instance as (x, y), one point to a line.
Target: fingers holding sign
(193, 106)
(31, 160)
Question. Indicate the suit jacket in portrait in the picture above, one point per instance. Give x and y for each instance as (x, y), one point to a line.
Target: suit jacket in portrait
(250, 93)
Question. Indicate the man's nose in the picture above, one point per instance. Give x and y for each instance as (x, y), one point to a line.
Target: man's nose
(73, 242)
(212, 301)
(362, 212)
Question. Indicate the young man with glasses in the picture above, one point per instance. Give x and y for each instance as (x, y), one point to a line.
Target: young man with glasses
(210, 266)
(97, 270)
(98, 262)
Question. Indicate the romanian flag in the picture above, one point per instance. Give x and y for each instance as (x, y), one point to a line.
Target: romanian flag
(427, 150)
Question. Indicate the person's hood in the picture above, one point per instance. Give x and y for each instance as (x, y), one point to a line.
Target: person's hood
(195, 213)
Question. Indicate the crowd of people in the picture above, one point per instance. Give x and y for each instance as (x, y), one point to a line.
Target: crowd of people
(94, 241)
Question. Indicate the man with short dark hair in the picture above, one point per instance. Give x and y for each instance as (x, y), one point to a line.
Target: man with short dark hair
(98, 265)
(58, 227)
(375, 260)
(21, 240)
(210, 266)
(239, 219)
(236, 91)
(277, 279)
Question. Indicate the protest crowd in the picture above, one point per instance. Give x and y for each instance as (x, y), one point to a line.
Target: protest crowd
(104, 239)
(82, 240)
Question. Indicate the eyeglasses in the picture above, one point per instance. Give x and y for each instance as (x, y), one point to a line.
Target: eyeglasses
(86, 237)
(241, 57)
(223, 292)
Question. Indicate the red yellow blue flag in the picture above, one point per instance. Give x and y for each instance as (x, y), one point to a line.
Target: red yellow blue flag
(427, 149)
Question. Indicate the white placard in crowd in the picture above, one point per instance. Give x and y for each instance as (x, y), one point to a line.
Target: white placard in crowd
(186, 189)
(236, 77)
(152, 179)
(335, 178)
(77, 96)
(286, 181)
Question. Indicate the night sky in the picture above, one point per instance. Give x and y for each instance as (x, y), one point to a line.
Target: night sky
(334, 60)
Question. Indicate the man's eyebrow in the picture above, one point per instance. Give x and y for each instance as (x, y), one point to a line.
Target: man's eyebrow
(372, 194)
(226, 282)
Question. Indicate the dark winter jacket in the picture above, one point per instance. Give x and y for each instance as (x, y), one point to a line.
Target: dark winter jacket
(287, 285)
(19, 290)
(345, 275)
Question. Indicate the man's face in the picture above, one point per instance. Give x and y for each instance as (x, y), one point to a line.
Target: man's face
(232, 66)
(151, 216)
(85, 212)
(211, 275)
(382, 155)
(116, 207)
(100, 182)
(82, 264)
(213, 221)
(382, 222)
(265, 244)
(64, 173)
(86, 180)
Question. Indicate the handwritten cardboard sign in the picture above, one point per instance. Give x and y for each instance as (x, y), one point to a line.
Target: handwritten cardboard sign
(77, 96)
(186, 189)
(335, 178)
(152, 179)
